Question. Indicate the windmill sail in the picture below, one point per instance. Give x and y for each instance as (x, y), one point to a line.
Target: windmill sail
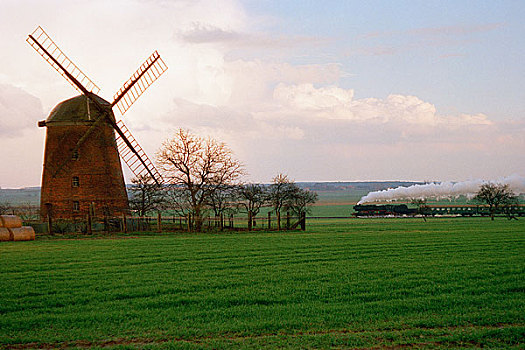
(46, 47)
(138, 162)
(129, 149)
(147, 73)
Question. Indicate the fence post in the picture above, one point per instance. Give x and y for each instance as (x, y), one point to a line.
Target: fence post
(49, 213)
(106, 226)
(287, 220)
(159, 222)
(124, 223)
(189, 222)
(49, 223)
(303, 221)
(269, 220)
(89, 230)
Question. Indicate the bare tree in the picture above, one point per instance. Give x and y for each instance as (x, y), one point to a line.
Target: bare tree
(221, 201)
(279, 193)
(145, 194)
(251, 197)
(177, 200)
(199, 166)
(495, 196)
(285, 194)
(299, 200)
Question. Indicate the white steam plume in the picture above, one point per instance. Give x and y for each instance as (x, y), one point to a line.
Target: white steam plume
(442, 190)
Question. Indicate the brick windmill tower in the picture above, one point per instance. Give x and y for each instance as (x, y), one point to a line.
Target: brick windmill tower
(82, 169)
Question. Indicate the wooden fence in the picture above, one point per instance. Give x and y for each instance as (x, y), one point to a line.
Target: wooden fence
(165, 223)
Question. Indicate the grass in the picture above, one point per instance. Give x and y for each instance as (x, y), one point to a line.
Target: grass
(334, 210)
(356, 283)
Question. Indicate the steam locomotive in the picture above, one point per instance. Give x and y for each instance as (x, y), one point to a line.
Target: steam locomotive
(362, 210)
(383, 210)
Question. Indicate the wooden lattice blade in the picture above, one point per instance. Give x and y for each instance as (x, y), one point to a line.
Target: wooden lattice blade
(134, 156)
(147, 73)
(46, 47)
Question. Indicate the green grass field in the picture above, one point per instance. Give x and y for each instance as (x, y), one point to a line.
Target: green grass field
(359, 283)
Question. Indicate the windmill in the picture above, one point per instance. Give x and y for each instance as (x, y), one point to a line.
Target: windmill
(82, 170)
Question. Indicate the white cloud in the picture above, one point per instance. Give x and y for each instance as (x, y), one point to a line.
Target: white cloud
(254, 81)
(19, 110)
(306, 97)
(336, 103)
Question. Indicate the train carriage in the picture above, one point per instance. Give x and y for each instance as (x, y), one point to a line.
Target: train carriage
(365, 210)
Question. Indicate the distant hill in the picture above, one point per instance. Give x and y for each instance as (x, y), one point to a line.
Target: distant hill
(355, 186)
(19, 196)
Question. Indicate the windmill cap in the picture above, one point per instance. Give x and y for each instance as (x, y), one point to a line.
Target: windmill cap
(78, 109)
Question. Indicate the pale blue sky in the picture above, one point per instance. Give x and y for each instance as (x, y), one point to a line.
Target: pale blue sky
(469, 60)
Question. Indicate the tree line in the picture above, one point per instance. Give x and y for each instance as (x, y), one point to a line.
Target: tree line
(202, 178)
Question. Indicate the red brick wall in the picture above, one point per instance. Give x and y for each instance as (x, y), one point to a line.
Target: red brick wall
(98, 168)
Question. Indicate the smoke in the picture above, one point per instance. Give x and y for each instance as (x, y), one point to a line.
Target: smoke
(441, 190)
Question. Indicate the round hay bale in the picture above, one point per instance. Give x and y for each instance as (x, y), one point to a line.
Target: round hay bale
(25, 233)
(10, 221)
(5, 235)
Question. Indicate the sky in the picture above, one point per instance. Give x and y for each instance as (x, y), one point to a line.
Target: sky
(318, 90)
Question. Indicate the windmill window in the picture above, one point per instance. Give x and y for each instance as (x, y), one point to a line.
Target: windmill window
(76, 205)
(75, 182)
(74, 155)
